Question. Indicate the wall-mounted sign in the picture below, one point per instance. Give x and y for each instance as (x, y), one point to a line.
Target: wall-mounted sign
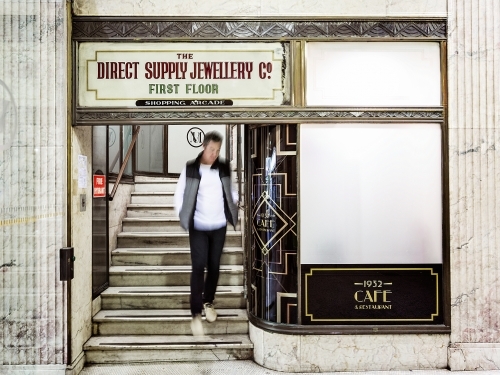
(182, 74)
(99, 186)
(195, 137)
(372, 294)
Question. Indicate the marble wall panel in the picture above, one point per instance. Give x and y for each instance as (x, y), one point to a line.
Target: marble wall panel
(474, 357)
(281, 352)
(81, 238)
(118, 206)
(117, 211)
(113, 238)
(257, 338)
(329, 353)
(474, 135)
(373, 353)
(278, 8)
(33, 83)
(33, 369)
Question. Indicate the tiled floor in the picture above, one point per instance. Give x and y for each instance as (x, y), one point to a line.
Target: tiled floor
(237, 368)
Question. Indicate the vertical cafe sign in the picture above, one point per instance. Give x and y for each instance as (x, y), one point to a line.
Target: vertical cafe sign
(182, 74)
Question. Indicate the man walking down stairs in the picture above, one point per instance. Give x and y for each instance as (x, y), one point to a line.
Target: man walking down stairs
(205, 203)
(145, 313)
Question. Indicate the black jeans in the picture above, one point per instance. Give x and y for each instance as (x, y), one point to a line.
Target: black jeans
(206, 250)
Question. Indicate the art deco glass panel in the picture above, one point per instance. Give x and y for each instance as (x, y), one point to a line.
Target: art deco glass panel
(273, 205)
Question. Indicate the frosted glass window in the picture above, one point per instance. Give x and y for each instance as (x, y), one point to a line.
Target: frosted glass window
(370, 193)
(114, 148)
(373, 74)
(127, 140)
(149, 149)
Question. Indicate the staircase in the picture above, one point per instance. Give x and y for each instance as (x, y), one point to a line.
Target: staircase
(145, 314)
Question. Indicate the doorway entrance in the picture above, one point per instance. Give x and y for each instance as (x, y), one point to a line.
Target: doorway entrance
(138, 155)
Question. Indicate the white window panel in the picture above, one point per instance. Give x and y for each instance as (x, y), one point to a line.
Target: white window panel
(375, 74)
(370, 193)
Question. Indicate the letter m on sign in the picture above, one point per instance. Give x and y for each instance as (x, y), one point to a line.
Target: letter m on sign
(195, 137)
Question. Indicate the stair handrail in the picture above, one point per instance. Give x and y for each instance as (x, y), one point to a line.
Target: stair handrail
(124, 164)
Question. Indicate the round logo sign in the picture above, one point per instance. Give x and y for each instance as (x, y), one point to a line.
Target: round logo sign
(195, 137)
(111, 137)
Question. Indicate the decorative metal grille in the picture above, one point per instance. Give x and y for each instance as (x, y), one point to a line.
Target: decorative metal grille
(250, 116)
(98, 29)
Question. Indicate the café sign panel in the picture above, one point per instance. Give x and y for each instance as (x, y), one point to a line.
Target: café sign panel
(372, 294)
(182, 74)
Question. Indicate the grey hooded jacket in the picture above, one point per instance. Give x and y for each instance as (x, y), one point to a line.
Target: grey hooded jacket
(193, 178)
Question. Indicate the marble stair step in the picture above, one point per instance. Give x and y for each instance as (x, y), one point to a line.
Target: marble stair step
(168, 239)
(166, 322)
(142, 179)
(167, 297)
(151, 209)
(147, 349)
(167, 256)
(138, 197)
(151, 224)
(156, 185)
(168, 275)
(156, 224)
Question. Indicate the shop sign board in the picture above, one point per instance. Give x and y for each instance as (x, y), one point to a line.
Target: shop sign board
(181, 74)
(372, 294)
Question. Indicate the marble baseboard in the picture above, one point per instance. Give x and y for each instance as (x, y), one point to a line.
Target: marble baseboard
(474, 356)
(324, 353)
(96, 305)
(77, 366)
(33, 370)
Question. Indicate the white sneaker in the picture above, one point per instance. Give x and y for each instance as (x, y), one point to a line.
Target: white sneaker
(196, 326)
(210, 312)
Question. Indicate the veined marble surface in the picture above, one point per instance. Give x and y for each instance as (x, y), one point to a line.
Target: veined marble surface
(474, 175)
(32, 183)
(277, 8)
(81, 235)
(33, 370)
(323, 353)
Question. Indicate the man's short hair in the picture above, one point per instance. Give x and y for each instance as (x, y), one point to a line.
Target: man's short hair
(212, 136)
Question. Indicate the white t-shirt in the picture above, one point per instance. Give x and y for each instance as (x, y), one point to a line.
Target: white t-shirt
(209, 212)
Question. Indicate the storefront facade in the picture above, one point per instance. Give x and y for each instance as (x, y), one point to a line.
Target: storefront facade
(330, 287)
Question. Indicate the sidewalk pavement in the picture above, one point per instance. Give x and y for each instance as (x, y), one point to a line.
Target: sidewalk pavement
(240, 368)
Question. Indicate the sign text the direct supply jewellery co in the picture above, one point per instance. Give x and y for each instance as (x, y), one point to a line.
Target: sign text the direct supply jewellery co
(372, 294)
(182, 74)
